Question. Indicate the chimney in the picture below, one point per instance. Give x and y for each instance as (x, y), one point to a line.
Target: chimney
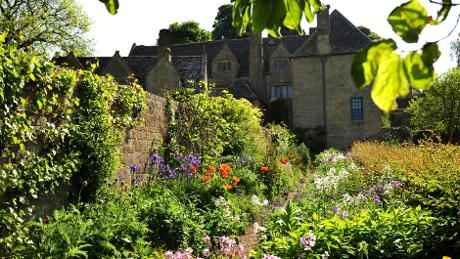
(323, 22)
(323, 30)
(256, 67)
(165, 54)
(165, 37)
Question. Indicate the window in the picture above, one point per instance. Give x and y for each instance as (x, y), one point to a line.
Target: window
(224, 66)
(357, 111)
(280, 66)
(282, 91)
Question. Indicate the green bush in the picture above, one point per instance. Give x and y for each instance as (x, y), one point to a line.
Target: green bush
(378, 233)
(57, 125)
(173, 224)
(438, 108)
(214, 126)
(108, 229)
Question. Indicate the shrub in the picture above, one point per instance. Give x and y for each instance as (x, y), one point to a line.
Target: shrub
(214, 126)
(378, 233)
(438, 108)
(173, 224)
(57, 125)
(110, 228)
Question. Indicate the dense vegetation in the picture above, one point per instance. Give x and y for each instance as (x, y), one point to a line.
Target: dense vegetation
(59, 128)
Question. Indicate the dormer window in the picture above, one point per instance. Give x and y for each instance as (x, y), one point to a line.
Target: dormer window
(280, 66)
(224, 66)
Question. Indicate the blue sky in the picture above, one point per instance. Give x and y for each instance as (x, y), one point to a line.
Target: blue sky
(139, 21)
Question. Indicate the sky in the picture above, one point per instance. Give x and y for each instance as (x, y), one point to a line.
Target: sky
(139, 21)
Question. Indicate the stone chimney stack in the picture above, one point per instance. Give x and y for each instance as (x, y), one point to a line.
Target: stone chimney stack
(323, 21)
(256, 65)
(323, 31)
(165, 54)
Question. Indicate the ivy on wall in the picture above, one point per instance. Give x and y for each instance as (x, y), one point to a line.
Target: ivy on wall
(58, 127)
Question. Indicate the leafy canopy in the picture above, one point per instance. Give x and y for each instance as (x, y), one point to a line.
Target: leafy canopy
(438, 108)
(45, 25)
(186, 32)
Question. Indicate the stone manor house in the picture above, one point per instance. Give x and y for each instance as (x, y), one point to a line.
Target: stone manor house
(304, 81)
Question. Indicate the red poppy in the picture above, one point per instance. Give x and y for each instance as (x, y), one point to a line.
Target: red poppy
(264, 169)
(193, 169)
(284, 161)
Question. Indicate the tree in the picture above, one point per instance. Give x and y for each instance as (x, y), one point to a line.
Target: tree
(438, 108)
(45, 25)
(187, 32)
(372, 35)
(223, 24)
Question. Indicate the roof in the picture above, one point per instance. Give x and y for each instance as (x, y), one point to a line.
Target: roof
(239, 47)
(344, 38)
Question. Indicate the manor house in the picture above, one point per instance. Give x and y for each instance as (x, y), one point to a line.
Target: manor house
(302, 80)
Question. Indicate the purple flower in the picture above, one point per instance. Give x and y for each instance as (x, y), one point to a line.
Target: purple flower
(308, 242)
(335, 210)
(134, 168)
(377, 199)
(156, 159)
(396, 184)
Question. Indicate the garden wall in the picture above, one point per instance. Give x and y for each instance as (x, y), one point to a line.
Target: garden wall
(147, 136)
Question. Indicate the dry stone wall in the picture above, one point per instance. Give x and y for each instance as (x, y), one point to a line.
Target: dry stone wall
(139, 142)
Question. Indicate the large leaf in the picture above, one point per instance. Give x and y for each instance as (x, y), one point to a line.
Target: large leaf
(419, 67)
(111, 5)
(390, 82)
(294, 9)
(409, 19)
(444, 11)
(312, 7)
(380, 66)
(261, 14)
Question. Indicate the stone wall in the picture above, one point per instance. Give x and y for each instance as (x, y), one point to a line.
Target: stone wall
(139, 142)
(310, 93)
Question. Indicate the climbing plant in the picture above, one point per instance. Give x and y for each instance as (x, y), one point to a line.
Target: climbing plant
(58, 127)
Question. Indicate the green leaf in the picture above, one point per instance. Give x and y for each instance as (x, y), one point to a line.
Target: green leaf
(419, 67)
(294, 9)
(312, 7)
(409, 19)
(444, 11)
(381, 66)
(111, 5)
(261, 14)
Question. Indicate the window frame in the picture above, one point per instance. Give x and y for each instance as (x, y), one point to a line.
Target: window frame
(357, 108)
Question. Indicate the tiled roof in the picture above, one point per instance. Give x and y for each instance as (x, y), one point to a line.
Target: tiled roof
(345, 37)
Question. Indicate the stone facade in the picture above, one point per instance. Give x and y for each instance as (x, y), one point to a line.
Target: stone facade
(308, 77)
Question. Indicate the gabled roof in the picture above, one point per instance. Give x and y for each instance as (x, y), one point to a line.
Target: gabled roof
(344, 38)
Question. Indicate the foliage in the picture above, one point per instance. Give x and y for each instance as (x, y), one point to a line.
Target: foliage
(45, 25)
(396, 201)
(375, 233)
(223, 24)
(172, 223)
(214, 126)
(187, 32)
(372, 35)
(110, 228)
(438, 108)
(57, 124)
